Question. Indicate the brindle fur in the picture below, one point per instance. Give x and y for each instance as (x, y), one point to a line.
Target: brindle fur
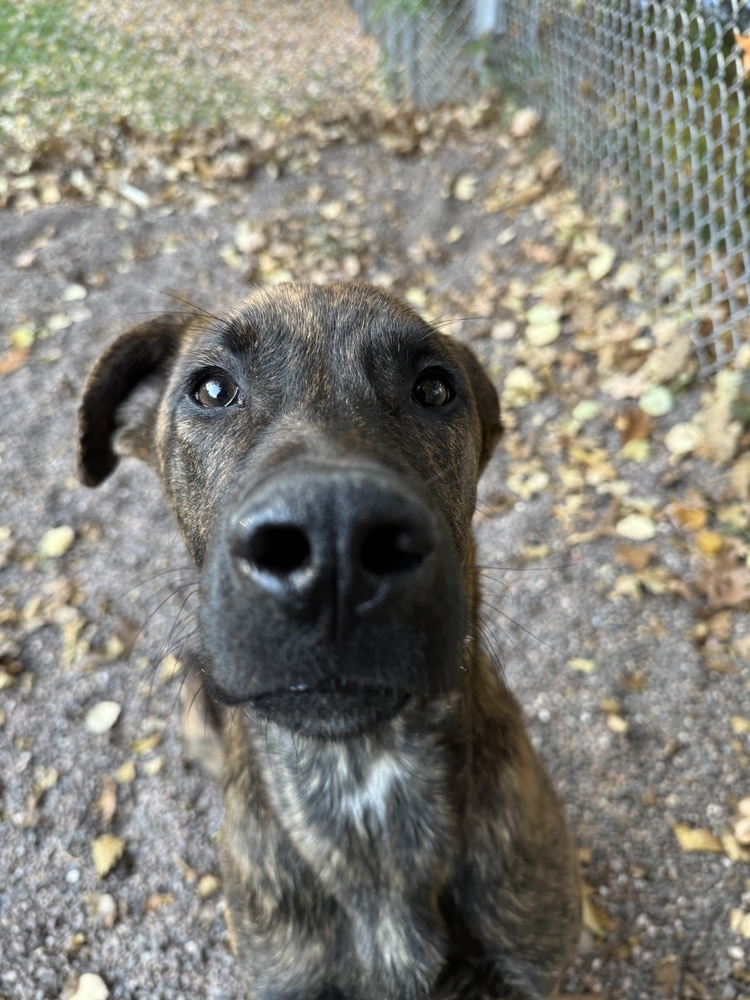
(426, 856)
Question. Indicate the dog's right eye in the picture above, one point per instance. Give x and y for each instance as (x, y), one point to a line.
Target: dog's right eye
(217, 390)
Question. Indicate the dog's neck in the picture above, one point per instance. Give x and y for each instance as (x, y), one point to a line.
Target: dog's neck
(373, 817)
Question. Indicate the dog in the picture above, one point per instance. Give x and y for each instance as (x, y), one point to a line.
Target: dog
(389, 832)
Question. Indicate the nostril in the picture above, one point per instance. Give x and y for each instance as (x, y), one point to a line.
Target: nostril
(391, 548)
(278, 548)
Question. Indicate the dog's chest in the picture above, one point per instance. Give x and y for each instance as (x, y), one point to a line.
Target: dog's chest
(373, 822)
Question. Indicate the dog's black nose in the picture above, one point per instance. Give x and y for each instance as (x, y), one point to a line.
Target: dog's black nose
(341, 540)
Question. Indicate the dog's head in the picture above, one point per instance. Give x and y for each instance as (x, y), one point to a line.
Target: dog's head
(320, 449)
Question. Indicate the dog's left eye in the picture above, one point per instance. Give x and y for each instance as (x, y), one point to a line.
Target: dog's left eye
(432, 390)
(218, 390)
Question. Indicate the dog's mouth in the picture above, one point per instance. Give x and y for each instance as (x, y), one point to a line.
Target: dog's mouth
(334, 708)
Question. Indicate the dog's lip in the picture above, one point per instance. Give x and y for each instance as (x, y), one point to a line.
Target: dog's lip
(334, 686)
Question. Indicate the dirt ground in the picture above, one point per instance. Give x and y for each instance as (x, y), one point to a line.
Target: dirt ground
(633, 674)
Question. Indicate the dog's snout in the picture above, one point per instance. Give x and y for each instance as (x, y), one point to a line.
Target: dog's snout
(277, 549)
(340, 540)
(393, 548)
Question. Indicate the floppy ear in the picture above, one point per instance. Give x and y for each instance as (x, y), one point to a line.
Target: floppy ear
(486, 399)
(134, 369)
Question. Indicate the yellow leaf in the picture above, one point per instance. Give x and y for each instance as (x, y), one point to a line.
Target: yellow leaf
(595, 919)
(617, 724)
(696, 839)
(208, 885)
(636, 528)
(147, 744)
(583, 666)
(709, 543)
(740, 725)
(740, 923)
(107, 851)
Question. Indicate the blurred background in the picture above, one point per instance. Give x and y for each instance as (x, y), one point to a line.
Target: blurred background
(562, 184)
(647, 102)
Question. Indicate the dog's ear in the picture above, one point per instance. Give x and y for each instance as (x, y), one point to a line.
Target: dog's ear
(487, 402)
(119, 403)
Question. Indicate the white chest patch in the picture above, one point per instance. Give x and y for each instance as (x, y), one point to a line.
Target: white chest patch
(371, 796)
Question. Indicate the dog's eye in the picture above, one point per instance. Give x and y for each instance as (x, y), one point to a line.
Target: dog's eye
(218, 390)
(431, 390)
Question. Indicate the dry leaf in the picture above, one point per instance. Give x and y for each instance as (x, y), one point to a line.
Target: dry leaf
(692, 518)
(683, 438)
(106, 804)
(636, 528)
(465, 187)
(146, 744)
(692, 840)
(595, 918)
(56, 542)
(107, 851)
(636, 556)
(524, 123)
(158, 899)
(581, 665)
(710, 543)
(740, 923)
(208, 885)
(634, 425)
(12, 359)
(102, 717)
(726, 588)
(91, 987)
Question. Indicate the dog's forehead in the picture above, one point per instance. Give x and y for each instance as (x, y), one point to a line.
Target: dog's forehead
(309, 321)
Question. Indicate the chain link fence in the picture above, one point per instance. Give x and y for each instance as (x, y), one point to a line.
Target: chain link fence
(648, 101)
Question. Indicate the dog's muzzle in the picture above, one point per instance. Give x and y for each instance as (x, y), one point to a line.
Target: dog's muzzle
(330, 596)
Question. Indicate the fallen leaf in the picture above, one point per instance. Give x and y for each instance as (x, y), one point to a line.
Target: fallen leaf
(107, 851)
(742, 831)
(56, 542)
(102, 717)
(208, 885)
(710, 543)
(733, 849)
(465, 187)
(634, 425)
(586, 410)
(692, 518)
(581, 665)
(692, 840)
(126, 773)
(600, 265)
(636, 556)
(524, 123)
(740, 725)
(617, 724)
(725, 588)
(656, 401)
(595, 918)
(504, 330)
(91, 987)
(12, 359)
(146, 744)
(106, 804)
(152, 767)
(683, 438)
(636, 528)
(157, 900)
(740, 922)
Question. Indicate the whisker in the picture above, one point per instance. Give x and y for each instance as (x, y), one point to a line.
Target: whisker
(523, 628)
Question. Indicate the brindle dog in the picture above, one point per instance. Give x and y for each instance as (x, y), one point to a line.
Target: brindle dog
(389, 831)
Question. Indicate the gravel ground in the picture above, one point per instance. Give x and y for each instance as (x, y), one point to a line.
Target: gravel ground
(95, 623)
